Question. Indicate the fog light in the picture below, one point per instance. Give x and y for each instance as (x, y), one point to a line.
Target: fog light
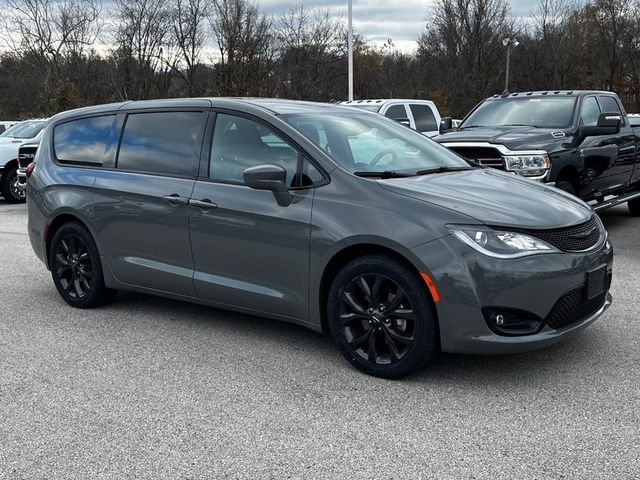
(512, 322)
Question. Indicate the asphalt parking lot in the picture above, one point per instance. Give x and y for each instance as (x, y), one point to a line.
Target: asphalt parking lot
(153, 388)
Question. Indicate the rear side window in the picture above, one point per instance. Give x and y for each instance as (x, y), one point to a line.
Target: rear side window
(83, 141)
(609, 105)
(425, 120)
(166, 143)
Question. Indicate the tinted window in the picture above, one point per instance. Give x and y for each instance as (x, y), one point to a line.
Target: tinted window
(396, 112)
(425, 120)
(589, 112)
(240, 143)
(83, 141)
(166, 143)
(609, 105)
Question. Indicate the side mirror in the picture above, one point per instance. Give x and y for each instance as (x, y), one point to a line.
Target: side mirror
(446, 124)
(269, 177)
(608, 124)
(403, 121)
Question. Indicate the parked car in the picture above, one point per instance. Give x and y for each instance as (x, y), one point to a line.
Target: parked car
(6, 124)
(10, 142)
(421, 115)
(26, 156)
(634, 119)
(580, 141)
(316, 214)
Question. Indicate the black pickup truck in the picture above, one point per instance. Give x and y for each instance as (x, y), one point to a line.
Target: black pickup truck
(580, 141)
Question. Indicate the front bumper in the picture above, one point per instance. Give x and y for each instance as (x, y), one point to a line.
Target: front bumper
(469, 282)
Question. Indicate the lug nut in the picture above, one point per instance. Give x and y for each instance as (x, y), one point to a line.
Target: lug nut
(500, 319)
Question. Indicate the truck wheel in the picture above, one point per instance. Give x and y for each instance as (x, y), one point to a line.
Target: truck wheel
(566, 186)
(10, 188)
(634, 207)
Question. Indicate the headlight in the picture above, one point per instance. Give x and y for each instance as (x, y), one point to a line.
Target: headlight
(500, 244)
(528, 165)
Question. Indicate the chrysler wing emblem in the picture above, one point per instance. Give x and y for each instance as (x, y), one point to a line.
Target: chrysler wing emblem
(581, 235)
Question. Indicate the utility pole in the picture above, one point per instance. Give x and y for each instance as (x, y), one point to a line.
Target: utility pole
(350, 42)
(508, 42)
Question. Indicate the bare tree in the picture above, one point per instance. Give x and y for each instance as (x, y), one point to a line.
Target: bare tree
(142, 31)
(245, 45)
(188, 35)
(310, 47)
(463, 45)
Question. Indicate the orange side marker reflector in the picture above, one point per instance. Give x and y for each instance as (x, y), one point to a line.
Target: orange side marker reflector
(432, 287)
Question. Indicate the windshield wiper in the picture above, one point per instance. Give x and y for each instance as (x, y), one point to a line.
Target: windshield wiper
(383, 174)
(442, 170)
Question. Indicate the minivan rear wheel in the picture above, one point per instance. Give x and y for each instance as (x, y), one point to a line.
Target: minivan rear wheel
(381, 317)
(76, 268)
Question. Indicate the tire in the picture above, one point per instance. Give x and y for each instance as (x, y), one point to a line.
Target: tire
(11, 192)
(634, 207)
(566, 187)
(76, 269)
(364, 332)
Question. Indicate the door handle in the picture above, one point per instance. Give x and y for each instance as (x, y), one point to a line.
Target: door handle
(205, 204)
(175, 199)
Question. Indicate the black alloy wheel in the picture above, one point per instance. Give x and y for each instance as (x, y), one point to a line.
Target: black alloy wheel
(382, 317)
(73, 266)
(377, 318)
(76, 269)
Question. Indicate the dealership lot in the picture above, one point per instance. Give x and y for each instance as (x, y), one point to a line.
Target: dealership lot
(161, 389)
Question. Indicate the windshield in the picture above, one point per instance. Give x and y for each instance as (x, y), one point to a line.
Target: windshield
(362, 143)
(542, 112)
(25, 129)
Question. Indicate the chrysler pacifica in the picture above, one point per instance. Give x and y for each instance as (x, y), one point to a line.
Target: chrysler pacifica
(336, 219)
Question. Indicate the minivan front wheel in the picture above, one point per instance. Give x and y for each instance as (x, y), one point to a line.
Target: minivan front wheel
(381, 317)
(76, 268)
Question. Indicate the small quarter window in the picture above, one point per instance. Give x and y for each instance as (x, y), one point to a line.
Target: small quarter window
(83, 141)
(396, 112)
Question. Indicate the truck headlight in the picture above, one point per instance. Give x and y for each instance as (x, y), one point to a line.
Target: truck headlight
(528, 165)
(499, 243)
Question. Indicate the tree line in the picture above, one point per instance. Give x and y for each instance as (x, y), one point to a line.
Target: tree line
(61, 54)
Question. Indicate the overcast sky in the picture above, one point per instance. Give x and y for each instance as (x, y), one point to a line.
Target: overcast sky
(378, 20)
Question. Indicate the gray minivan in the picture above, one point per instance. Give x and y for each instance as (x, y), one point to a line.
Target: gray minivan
(326, 216)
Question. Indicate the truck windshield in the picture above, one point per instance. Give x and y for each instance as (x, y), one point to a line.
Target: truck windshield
(372, 144)
(27, 129)
(542, 112)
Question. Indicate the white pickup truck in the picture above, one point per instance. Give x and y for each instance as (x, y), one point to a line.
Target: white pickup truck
(421, 115)
(10, 142)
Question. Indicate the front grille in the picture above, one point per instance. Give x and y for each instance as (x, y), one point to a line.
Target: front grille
(26, 156)
(573, 306)
(487, 156)
(570, 239)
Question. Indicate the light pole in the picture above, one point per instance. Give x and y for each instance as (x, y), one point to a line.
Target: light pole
(350, 46)
(508, 42)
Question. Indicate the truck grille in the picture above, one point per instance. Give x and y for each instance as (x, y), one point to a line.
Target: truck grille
(570, 239)
(572, 307)
(487, 156)
(26, 156)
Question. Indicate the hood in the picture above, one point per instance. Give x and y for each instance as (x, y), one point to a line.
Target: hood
(8, 152)
(11, 140)
(513, 138)
(495, 198)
